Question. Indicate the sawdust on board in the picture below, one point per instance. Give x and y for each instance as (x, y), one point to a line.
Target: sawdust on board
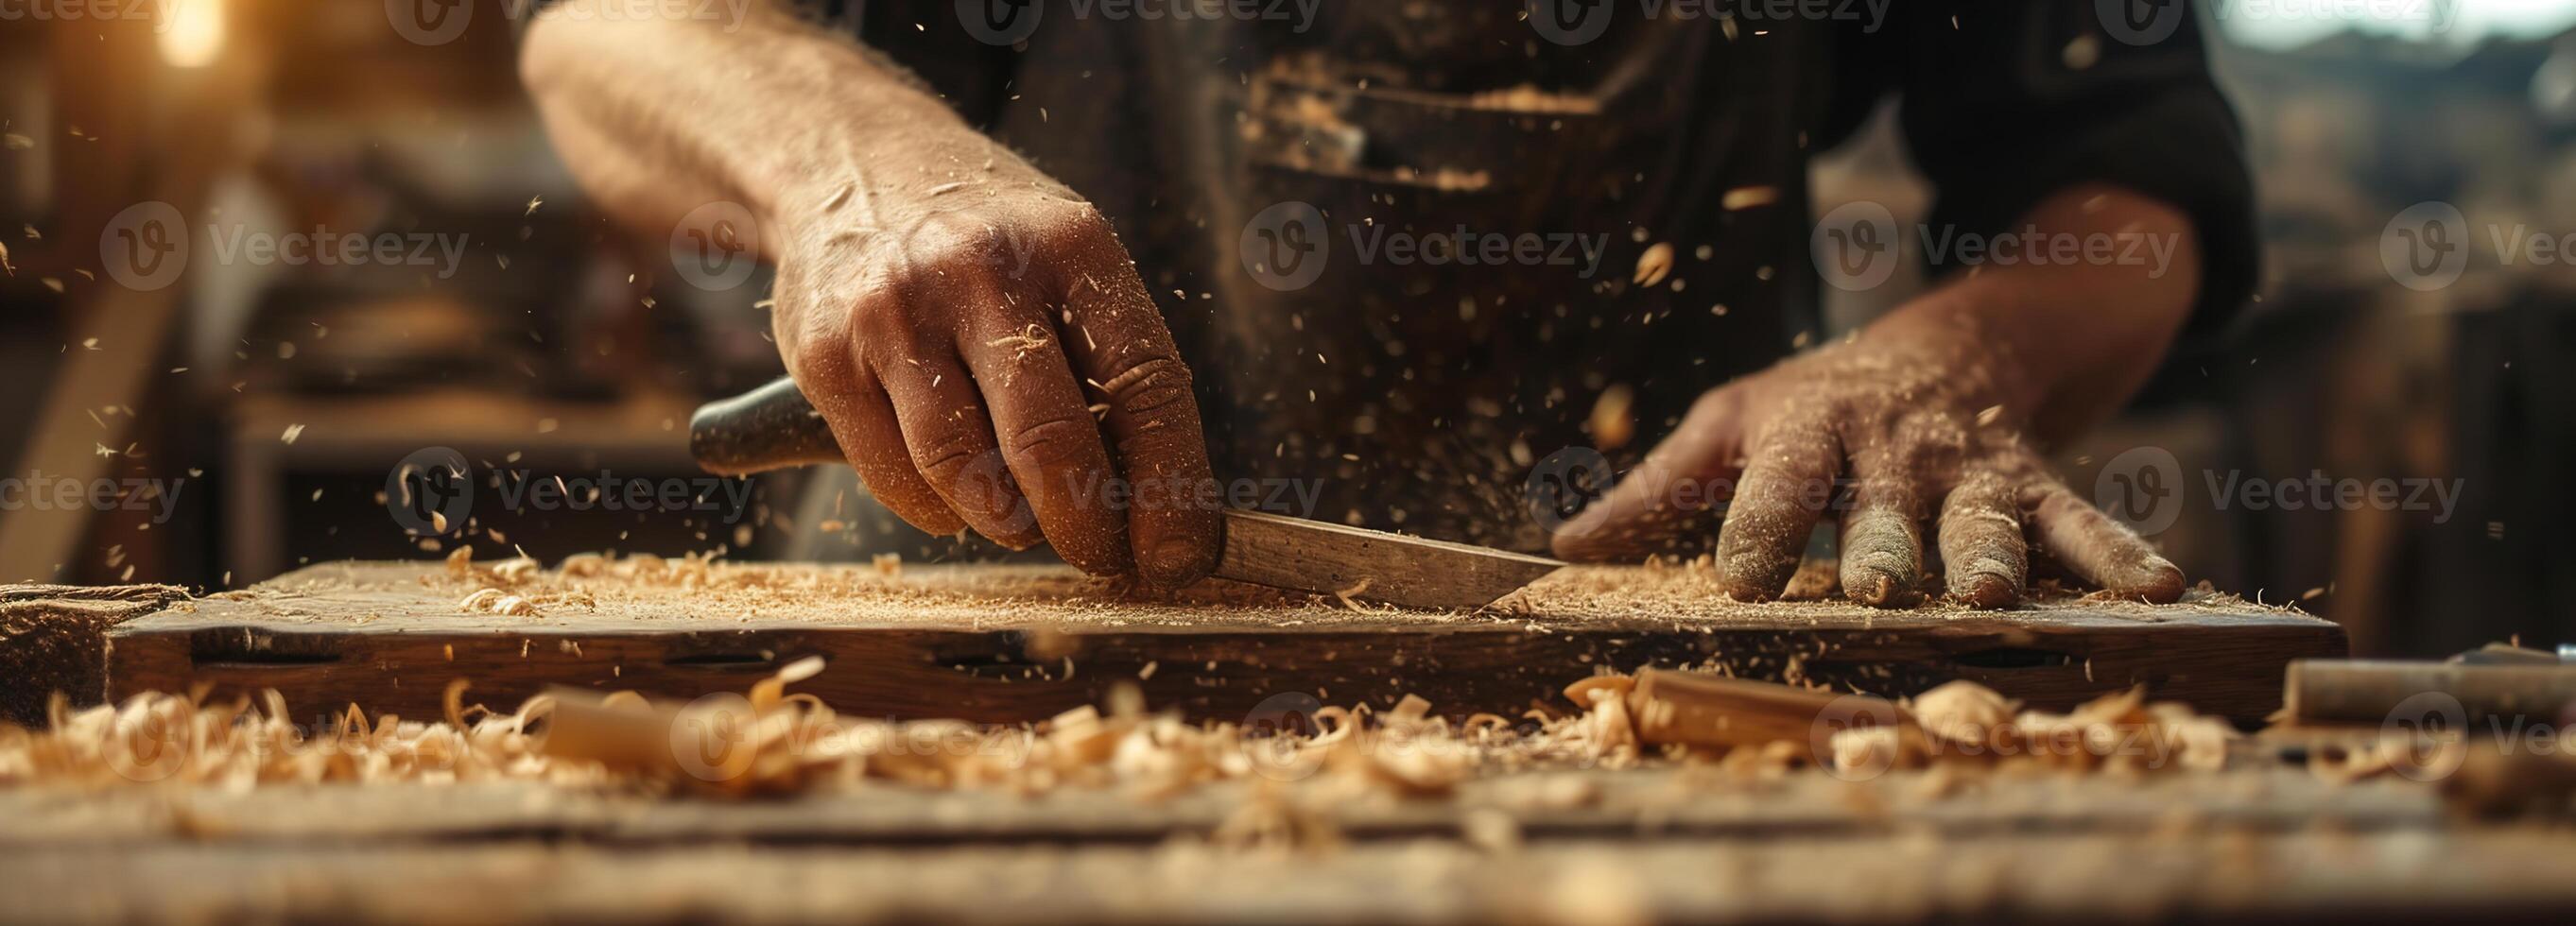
(594, 587)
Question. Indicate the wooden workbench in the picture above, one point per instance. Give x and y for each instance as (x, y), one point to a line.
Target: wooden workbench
(1637, 846)
(1022, 643)
(1570, 843)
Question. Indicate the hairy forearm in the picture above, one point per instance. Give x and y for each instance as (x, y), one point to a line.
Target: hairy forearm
(659, 116)
(2067, 342)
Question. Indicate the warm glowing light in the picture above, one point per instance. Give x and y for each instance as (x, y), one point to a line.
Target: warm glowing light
(194, 32)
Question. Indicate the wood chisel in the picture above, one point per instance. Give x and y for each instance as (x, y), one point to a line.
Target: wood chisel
(775, 427)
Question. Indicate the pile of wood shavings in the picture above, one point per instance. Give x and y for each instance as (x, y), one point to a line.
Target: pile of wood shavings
(1957, 727)
(768, 742)
(772, 742)
(162, 738)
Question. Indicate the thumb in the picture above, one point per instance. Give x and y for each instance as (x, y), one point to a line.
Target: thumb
(1672, 502)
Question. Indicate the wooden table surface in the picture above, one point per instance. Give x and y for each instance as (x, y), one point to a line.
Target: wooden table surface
(1660, 844)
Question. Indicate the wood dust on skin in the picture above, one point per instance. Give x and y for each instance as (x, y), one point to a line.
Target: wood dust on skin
(889, 594)
(1908, 437)
(1692, 591)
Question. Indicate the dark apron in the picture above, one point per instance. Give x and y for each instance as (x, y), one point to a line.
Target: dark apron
(1414, 392)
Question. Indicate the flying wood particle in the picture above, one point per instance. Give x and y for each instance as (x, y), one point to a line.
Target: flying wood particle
(1747, 197)
(1613, 423)
(1654, 264)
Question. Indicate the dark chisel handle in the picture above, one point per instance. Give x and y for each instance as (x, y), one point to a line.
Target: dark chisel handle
(772, 427)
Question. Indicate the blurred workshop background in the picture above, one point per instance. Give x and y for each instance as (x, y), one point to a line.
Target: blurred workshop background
(265, 398)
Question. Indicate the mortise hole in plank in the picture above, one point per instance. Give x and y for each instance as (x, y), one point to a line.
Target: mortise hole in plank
(2014, 657)
(246, 647)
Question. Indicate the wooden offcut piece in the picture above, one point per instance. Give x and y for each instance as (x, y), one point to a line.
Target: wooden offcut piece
(1701, 710)
(2375, 691)
(995, 643)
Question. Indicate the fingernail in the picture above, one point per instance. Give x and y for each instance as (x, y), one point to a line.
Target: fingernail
(2156, 581)
(1986, 589)
(1175, 562)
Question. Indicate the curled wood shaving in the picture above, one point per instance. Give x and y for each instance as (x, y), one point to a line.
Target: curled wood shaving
(155, 738)
(496, 601)
(1966, 712)
(516, 570)
(2118, 733)
(1959, 722)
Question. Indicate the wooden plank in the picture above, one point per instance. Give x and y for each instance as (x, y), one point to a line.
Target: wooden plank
(54, 638)
(1005, 644)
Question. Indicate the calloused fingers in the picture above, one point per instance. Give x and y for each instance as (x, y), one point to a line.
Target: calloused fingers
(1982, 550)
(2099, 550)
(1118, 344)
(863, 421)
(1882, 549)
(1049, 438)
(1788, 481)
(950, 440)
(1667, 495)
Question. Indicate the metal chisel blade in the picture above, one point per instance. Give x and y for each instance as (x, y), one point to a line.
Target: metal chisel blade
(1333, 559)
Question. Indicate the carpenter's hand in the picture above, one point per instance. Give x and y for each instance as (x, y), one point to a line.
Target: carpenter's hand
(974, 343)
(1919, 439)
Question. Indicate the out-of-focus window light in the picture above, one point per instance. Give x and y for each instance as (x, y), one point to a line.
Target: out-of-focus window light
(193, 33)
(2283, 24)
